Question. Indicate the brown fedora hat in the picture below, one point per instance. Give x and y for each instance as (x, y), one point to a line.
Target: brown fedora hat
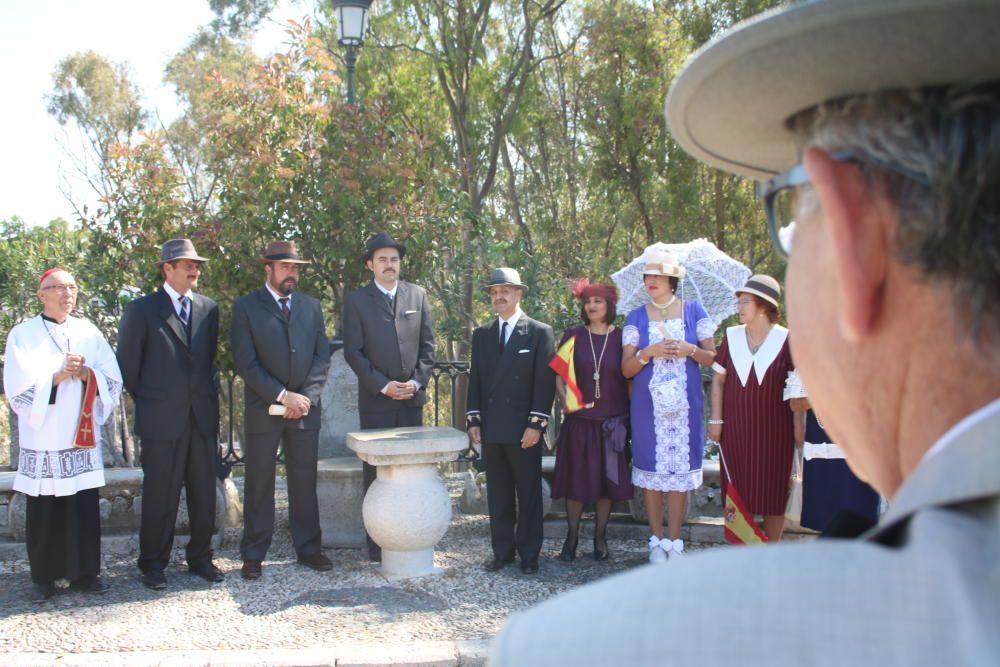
(282, 251)
(176, 249)
(382, 240)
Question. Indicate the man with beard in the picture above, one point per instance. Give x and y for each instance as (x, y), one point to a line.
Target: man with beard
(166, 349)
(281, 352)
(509, 403)
(389, 343)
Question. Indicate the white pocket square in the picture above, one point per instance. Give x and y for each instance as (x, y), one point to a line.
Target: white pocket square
(523, 351)
(410, 312)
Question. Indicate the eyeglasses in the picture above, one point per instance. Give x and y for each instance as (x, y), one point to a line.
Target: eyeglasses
(744, 302)
(68, 289)
(778, 195)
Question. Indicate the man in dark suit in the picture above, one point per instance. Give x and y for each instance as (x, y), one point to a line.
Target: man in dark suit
(166, 350)
(509, 402)
(281, 352)
(389, 343)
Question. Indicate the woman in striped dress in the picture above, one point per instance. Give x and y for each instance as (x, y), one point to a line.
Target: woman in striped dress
(750, 418)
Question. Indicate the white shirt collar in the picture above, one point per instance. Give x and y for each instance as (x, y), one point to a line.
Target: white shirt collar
(956, 431)
(511, 321)
(391, 293)
(277, 296)
(174, 294)
(744, 360)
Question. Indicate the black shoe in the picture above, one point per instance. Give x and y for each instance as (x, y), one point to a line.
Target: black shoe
(42, 592)
(90, 584)
(251, 569)
(207, 571)
(154, 580)
(317, 561)
(568, 553)
(600, 549)
(497, 564)
(529, 566)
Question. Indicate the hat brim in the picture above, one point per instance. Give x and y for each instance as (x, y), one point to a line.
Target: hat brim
(729, 105)
(654, 272)
(287, 260)
(193, 258)
(524, 288)
(371, 253)
(767, 297)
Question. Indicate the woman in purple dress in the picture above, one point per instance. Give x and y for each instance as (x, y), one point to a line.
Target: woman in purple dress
(666, 343)
(591, 464)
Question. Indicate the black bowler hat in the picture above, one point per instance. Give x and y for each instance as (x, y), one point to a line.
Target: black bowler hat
(382, 240)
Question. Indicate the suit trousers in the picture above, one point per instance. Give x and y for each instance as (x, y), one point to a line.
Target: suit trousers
(512, 471)
(301, 449)
(405, 416)
(190, 461)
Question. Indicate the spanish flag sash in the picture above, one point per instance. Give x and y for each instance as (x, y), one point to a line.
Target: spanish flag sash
(564, 367)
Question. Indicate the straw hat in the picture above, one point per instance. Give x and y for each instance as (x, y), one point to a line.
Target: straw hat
(763, 286)
(662, 263)
(729, 104)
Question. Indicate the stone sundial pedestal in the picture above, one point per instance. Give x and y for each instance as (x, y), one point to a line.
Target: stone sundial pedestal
(407, 509)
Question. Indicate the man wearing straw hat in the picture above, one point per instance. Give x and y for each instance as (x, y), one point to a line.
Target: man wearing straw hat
(281, 352)
(881, 120)
(167, 342)
(509, 403)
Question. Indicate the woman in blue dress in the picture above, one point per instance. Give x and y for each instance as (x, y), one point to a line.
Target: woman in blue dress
(665, 344)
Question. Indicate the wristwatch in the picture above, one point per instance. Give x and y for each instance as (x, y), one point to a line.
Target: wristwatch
(638, 355)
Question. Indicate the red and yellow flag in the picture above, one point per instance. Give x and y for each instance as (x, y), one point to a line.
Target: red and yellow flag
(740, 526)
(564, 367)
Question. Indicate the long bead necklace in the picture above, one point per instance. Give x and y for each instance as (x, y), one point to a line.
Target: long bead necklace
(598, 360)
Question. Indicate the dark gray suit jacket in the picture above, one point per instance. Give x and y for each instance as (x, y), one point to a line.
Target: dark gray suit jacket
(505, 390)
(272, 354)
(167, 377)
(380, 345)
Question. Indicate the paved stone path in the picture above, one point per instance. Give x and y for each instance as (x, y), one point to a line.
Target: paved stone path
(293, 615)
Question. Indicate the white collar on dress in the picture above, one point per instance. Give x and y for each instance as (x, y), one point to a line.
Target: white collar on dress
(743, 360)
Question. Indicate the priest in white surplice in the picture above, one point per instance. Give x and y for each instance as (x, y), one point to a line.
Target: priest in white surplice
(63, 382)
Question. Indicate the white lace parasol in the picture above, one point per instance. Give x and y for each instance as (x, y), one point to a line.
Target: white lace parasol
(712, 277)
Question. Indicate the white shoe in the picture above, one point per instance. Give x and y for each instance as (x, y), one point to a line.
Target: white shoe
(656, 553)
(673, 548)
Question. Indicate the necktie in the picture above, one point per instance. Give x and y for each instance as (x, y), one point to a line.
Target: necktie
(503, 336)
(285, 310)
(391, 305)
(185, 316)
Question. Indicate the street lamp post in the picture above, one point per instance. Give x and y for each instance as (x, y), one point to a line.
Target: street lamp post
(352, 24)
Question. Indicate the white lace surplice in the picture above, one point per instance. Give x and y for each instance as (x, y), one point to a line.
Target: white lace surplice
(48, 463)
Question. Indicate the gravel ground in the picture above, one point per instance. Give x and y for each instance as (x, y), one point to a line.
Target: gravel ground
(293, 606)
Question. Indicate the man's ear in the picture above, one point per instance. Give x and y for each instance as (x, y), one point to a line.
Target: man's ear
(858, 223)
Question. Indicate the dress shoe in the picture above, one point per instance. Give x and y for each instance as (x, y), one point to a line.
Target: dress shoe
(568, 553)
(316, 561)
(207, 571)
(250, 569)
(497, 564)
(154, 580)
(42, 592)
(529, 566)
(90, 584)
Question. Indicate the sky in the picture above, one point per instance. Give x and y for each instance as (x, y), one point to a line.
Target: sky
(35, 35)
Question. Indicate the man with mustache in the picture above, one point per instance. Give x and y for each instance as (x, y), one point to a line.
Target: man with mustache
(167, 342)
(281, 352)
(509, 403)
(389, 343)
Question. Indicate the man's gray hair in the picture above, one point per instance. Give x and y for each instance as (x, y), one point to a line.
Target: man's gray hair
(949, 224)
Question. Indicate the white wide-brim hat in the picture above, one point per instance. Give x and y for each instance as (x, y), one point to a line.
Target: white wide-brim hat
(729, 105)
(662, 263)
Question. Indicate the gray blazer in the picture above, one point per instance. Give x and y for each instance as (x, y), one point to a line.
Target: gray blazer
(168, 376)
(381, 345)
(922, 588)
(272, 354)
